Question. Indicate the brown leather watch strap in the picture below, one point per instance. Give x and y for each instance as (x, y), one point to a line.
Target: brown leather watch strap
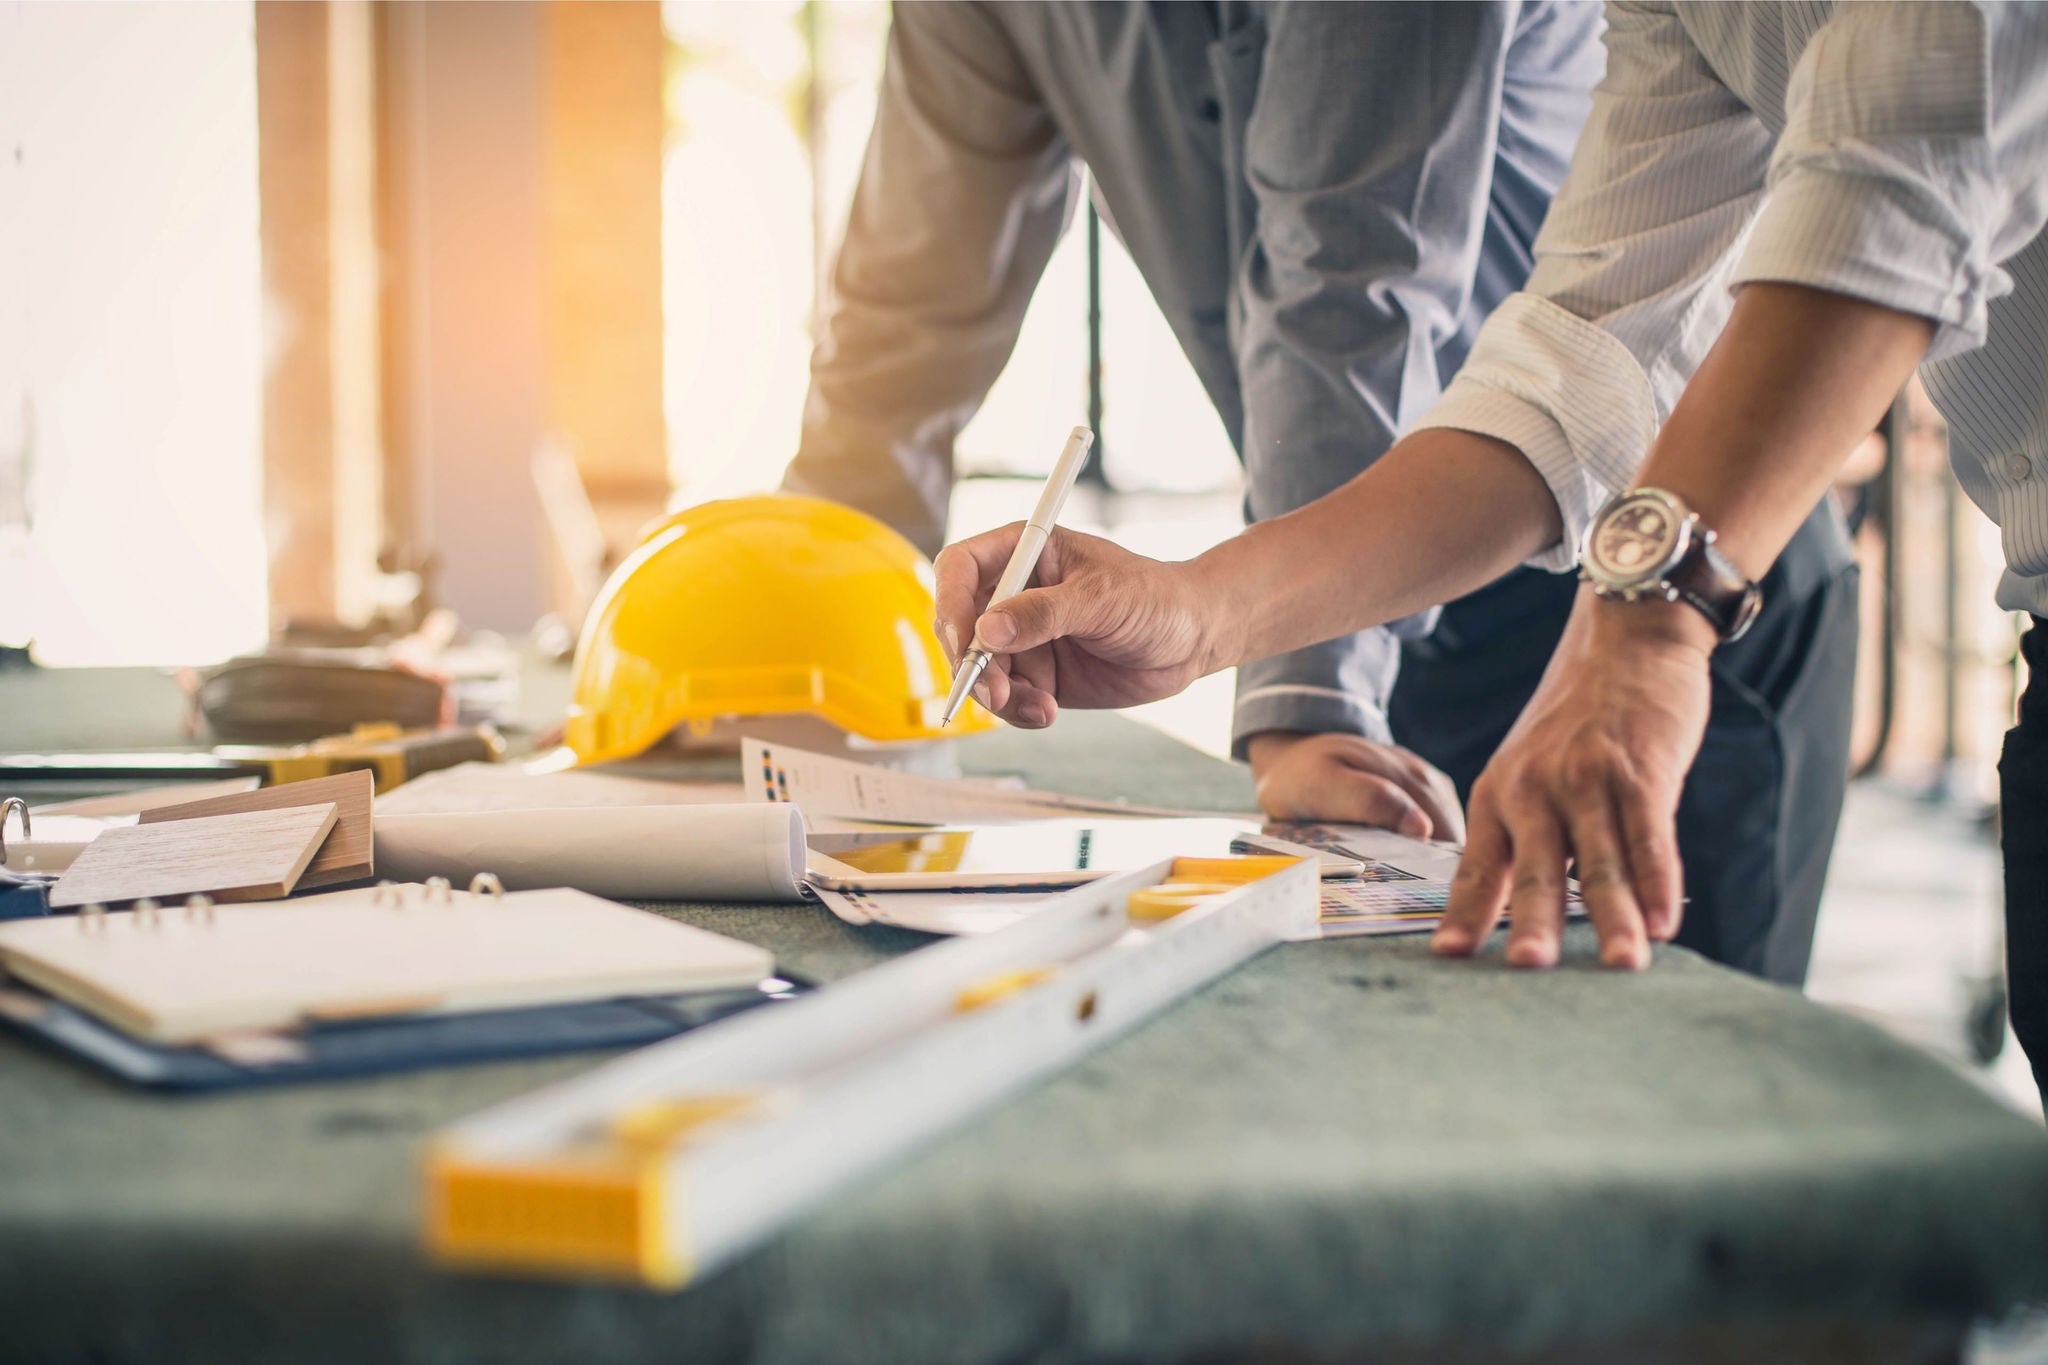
(1716, 588)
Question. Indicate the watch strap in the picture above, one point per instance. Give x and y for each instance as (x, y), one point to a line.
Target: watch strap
(1709, 581)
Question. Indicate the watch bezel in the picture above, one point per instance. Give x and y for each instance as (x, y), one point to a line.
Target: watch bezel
(1654, 572)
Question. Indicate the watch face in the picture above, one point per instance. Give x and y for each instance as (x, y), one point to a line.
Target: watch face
(1636, 539)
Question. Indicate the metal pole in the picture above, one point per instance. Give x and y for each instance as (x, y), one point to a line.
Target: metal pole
(1952, 656)
(1884, 517)
(812, 21)
(1092, 471)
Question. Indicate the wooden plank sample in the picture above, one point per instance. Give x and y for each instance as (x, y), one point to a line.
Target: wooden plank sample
(149, 798)
(345, 857)
(256, 855)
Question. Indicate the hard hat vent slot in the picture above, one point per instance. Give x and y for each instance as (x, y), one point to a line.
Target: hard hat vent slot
(752, 688)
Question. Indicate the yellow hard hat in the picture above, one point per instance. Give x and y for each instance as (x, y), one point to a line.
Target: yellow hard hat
(762, 606)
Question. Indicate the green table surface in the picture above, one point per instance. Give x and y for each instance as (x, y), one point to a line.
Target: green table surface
(1339, 1148)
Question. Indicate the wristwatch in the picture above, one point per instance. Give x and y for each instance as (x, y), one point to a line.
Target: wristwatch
(1648, 544)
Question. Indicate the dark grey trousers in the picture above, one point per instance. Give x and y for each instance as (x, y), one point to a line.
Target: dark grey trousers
(1757, 820)
(2023, 830)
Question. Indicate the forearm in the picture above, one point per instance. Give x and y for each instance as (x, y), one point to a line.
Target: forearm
(1797, 378)
(1442, 513)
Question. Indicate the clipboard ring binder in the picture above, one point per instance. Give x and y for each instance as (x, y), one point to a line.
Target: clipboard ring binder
(12, 805)
(92, 917)
(199, 909)
(435, 891)
(148, 914)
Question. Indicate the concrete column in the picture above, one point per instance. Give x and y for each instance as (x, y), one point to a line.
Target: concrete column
(315, 84)
(523, 303)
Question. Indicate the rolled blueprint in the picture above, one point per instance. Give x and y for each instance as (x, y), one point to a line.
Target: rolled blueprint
(700, 853)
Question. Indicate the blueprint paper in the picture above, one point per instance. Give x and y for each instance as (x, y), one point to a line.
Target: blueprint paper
(824, 786)
(685, 852)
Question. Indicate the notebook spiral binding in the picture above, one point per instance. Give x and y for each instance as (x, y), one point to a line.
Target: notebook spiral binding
(150, 914)
(22, 894)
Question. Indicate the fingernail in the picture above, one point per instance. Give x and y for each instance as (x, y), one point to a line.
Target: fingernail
(980, 693)
(1415, 825)
(1664, 922)
(1631, 956)
(997, 630)
(951, 637)
(1448, 940)
(1034, 714)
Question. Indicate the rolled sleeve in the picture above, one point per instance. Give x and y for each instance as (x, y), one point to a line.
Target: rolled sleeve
(1888, 241)
(1335, 686)
(1887, 183)
(1629, 287)
(1566, 394)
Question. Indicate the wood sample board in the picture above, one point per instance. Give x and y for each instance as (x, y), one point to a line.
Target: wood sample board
(254, 855)
(345, 857)
(149, 798)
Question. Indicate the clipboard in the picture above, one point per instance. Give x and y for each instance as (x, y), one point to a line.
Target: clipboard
(201, 997)
(366, 1047)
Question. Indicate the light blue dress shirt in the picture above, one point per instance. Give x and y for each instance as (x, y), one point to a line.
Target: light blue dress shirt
(1325, 199)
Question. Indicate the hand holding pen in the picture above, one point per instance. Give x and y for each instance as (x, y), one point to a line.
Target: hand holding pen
(1102, 627)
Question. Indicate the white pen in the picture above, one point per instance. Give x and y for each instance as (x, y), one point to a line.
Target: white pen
(1023, 559)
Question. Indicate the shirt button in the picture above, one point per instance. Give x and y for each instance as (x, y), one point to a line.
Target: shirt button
(2018, 467)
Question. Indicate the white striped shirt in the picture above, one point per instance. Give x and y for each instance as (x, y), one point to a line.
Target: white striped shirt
(1894, 152)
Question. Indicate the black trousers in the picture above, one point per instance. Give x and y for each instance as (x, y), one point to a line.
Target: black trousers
(2023, 822)
(1757, 819)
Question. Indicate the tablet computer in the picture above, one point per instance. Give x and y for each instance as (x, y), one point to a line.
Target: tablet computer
(1045, 853)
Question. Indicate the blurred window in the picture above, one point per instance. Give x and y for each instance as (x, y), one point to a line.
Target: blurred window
(130, 363)
(759, 175)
